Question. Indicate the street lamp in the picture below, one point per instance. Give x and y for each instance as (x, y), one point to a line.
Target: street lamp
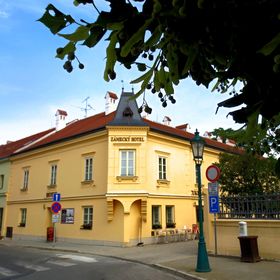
(197, 144)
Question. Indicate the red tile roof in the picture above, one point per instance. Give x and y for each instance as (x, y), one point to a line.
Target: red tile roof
(172, 131)
(61, 112)
(112, 95)
(101, 120)
(182, 126)
(9, 148)
(76, 129)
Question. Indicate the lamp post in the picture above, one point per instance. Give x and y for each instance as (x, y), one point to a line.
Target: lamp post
(197, 144)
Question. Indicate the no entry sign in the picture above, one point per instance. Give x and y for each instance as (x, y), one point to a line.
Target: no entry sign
(213, 173)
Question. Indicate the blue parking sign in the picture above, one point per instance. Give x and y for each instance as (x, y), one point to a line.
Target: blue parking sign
(214, 204)
(56, 197)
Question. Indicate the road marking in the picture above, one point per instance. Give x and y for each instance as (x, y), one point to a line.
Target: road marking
(61, 263)
(77, 258)
(34, 267)
(7, 272)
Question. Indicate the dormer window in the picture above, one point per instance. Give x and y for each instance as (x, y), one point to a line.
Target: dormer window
(127, 112)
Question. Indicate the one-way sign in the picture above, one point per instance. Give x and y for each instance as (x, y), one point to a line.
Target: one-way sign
(56, 197)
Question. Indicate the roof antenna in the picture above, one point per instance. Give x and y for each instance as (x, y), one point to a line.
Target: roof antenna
(87, 106)
(122, 86)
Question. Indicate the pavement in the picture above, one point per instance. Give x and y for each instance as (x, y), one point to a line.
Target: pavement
(178, 258)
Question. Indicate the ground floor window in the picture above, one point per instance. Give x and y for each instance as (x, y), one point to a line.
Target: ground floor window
(156, 217)
(23, 213)
(170, 216)
(88, 214)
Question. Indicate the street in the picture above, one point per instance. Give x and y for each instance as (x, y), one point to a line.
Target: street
(27, 263)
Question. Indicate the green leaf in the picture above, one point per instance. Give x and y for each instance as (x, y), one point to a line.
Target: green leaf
(135, 38)
(97, 32)
(81, 33)
(155, 37)
(191, 58)
(70, 47)
(271, 46)
(111, 55)
(55, 22)
(144, 83)
(143, 77)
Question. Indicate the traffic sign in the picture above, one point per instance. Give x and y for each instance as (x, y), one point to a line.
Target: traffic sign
(56, 207)
(214, 204)
(213, 189)
(55, 218)
(213, 173)
(56, 197)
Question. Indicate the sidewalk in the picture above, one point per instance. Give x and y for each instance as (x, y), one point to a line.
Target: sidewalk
(179, 257)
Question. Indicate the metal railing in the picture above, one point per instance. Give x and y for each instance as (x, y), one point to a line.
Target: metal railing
(264, 206)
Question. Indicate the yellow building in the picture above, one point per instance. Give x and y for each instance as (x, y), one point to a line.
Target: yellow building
(121, 178)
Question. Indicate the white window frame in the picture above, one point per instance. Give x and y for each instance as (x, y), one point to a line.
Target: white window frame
(156, 215)
(127, 162)
(25, 179)
(53, 174)
(88, 215)
(170, 214)
(88, 169)
(23, 214)
(162, 168)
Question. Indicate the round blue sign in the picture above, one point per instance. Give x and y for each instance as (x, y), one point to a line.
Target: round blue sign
(56, 207)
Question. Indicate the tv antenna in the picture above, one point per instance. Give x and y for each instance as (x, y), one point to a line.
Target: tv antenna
(87, 106)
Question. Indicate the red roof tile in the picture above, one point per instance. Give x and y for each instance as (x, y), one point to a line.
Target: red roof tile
(99, 121)
(112, 95)
(75, 129)
(61, 112)
(11, 147)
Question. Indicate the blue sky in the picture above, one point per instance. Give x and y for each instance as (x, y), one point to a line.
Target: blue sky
(33, 84)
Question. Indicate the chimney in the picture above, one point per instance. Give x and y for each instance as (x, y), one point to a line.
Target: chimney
(110, 103)
(166, 120)
(184, 127)
(60, 119)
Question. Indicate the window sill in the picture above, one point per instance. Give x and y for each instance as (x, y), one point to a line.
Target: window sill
(21, 225)
(127, 178)
(52, 186)
(86, 227)
(163, 183)
(88, 183)
(23, 189)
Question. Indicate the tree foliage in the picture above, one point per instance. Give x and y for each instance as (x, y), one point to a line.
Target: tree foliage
(170, 40)
(246, 174)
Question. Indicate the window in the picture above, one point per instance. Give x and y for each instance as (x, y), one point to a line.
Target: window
(1, 181)
(23, 212)
(162, 168)
(170, 217)
(25, 179)
(88, 214)
(127, 162)
(156, 217)
(88, 168)
(67, 216)
(53, 174)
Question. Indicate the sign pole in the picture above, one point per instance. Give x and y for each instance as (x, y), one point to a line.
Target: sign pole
(215, 234)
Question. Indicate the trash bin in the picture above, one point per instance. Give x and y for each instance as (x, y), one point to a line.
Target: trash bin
(50, 234)
(249, 248)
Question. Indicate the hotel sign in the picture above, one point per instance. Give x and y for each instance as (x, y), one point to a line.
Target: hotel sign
(127, 139)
